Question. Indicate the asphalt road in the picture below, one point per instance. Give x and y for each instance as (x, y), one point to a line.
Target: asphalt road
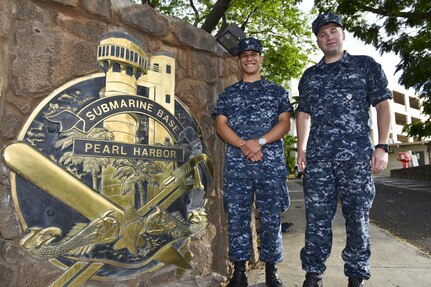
(403, 207)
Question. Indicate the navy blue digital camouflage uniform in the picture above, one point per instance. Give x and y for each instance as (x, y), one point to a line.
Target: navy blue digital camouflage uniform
(337, 96)
(252, 110)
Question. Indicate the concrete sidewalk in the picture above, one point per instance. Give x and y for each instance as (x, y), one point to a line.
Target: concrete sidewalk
(393, 263)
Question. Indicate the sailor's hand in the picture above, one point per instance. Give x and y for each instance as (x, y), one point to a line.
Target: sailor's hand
(251, 149)
(256, 157)
(301, 160)
(379, 160)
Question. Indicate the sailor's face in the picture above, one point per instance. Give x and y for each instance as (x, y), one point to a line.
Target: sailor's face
(330, 39)
(250, 61)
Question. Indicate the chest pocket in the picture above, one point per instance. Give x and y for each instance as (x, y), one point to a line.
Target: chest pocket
(267, 107)
(354, 96)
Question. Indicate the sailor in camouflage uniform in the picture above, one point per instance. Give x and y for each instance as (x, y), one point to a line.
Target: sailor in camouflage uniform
(336, 153)
(251, 117)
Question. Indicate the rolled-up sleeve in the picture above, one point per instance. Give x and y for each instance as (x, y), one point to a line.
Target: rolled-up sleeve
(377, 83)
(285, 105)
(303, 103)
(221, 107)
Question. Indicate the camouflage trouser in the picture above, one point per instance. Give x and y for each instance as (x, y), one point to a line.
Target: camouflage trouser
(323, 183)
(272, 199)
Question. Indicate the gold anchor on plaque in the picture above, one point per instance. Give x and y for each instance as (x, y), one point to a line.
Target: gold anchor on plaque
(113, 219)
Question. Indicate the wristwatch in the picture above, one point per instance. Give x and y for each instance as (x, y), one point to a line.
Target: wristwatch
(262, 141)
(384, 147)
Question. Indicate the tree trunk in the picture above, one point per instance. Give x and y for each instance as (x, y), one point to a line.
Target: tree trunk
(94, 178)
(215, 15)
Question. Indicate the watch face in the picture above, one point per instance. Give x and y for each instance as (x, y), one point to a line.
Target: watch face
(262, 141)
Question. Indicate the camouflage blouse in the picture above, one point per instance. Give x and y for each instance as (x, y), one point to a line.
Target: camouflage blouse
(338, 97)
(252, 110)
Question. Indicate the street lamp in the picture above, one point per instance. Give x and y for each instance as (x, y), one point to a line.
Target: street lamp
(230, 38)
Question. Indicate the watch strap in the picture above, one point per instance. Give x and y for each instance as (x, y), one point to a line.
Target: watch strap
(384, 147)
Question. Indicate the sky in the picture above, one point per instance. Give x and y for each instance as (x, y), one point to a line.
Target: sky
(356, 47)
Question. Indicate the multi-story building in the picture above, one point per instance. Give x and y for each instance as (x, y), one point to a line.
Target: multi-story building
(406, 108)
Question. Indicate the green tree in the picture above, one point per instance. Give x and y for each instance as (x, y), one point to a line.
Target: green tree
(90, 165)
(281, 26)
(289, 142)
(399, 26)
(137, 172)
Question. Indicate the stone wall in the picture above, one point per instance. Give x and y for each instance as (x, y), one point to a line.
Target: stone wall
(46, 43)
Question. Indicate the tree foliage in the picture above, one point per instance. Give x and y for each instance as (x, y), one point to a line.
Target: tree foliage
(281, 26)
(289, 143)
(399, 26)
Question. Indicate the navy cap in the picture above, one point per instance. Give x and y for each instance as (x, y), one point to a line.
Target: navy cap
(249, 44)
(325, 18)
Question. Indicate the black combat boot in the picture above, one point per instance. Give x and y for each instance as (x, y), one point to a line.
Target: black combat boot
(313, 280)
(271, 276)
(239, 278)
(356, 282)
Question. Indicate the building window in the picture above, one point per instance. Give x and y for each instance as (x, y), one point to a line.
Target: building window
(168, 99)
(168, 69)
(143, 91)
(398, 98)
(105, 66)
(415, 120)
(122, 53)
(414, 103)
(400, 119)
(112, 51)
(402, 138)
(116, 67)
(129, 71)
(156, 67)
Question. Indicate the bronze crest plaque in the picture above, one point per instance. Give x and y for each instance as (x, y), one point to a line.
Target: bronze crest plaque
(110, 171)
